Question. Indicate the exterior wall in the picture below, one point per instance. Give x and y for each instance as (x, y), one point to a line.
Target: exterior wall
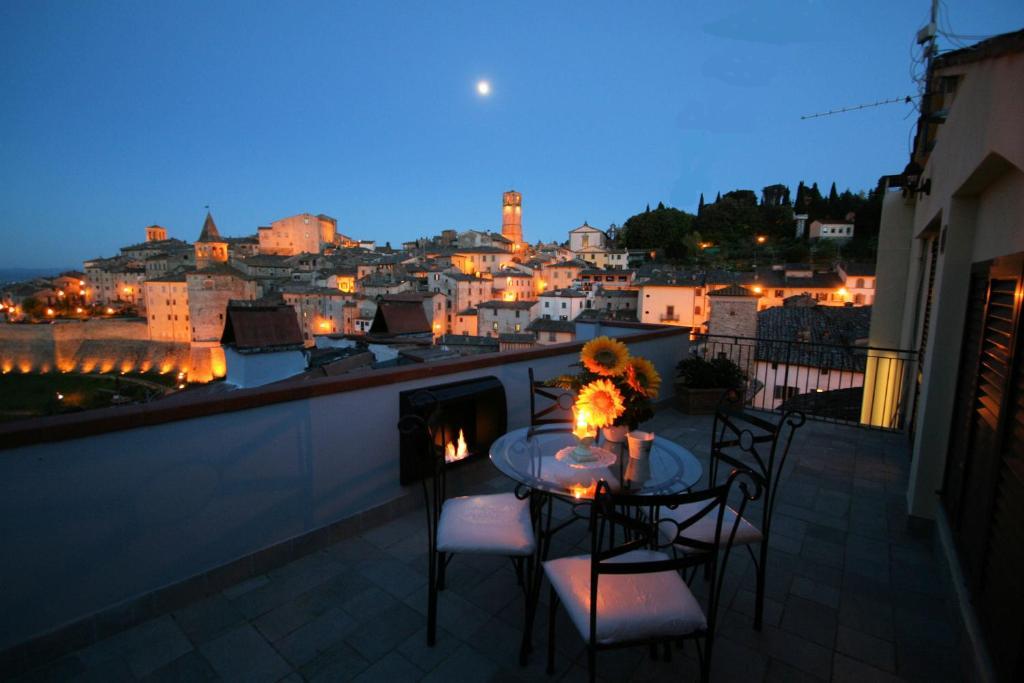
(584, 237)
(465, 324)
(255, 369)
(513, 286)
(209, 253)
(733, 315)
(560, 307)
(291, 236)
(88, 346)
(319, 312)
(512, 218)
(167, 311)
(472, 263)
(496, 321)
(155, 233)
(548, 338)
(672, 305)
(560, 277)
(195, 494)
(837, 230)
(977, 181)
(799, 377)
(114, 287)
(208, 296)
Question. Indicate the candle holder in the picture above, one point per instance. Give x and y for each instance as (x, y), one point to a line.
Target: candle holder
(585, 435)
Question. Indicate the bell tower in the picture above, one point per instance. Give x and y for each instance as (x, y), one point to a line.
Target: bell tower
(512, 218)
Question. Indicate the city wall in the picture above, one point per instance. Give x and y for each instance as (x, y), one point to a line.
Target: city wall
(95, 346)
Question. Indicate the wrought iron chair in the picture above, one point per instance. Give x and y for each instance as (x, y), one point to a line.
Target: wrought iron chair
(491, 524)
(556, 414)
(632, 593)
(748, 441)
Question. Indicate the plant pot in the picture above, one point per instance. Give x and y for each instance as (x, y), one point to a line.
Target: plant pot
(697, 401)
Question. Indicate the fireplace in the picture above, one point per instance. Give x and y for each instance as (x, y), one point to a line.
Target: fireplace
(473, 414)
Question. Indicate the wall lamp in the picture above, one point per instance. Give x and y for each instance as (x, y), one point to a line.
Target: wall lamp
(912, 183)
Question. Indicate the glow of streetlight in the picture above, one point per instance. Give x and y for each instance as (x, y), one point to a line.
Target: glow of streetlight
(761, 239)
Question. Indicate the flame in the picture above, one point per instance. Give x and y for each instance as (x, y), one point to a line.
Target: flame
(453, 453)
(583, 428)
(579, 491)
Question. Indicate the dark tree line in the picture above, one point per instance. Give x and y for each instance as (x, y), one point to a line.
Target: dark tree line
(727, 229)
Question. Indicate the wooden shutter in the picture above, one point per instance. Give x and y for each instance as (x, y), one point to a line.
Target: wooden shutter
(984, 486)
(956, 458)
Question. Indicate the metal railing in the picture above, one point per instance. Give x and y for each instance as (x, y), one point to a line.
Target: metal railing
(674, 317)
(862, 385)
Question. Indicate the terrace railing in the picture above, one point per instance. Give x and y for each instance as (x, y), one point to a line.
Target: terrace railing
(860, 385)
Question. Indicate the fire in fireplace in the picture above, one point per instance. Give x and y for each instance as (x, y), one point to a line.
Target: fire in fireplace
(473, 414)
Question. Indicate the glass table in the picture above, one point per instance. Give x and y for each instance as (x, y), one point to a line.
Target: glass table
(531, 460)
(535, 458)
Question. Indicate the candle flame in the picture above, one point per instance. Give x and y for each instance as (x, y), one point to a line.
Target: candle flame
(456, 452)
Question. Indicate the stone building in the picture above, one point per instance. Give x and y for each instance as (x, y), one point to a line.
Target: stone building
(211, 248)
(167, 313)
(302, 233)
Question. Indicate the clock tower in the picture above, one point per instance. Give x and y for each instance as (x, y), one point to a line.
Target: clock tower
(512, 218)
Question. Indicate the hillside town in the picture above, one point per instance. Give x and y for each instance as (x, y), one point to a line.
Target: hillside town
(436, 297)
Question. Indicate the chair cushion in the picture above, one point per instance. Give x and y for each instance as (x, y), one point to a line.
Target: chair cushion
(497, 524)
(629, 606)
(704, 528)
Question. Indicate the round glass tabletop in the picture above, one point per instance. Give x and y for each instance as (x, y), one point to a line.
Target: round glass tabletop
(533, 462)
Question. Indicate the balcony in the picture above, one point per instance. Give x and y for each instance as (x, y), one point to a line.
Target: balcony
(265, 535)
(669, 317)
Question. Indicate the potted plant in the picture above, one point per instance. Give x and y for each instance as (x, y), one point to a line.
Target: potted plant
(700, 383)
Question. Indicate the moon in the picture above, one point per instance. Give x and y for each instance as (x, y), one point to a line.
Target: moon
(483, 88)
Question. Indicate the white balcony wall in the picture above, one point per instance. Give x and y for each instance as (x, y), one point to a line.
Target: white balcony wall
(91, 522)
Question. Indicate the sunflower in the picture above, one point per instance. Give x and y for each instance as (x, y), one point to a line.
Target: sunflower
(603, 400)
(605, 356)
(642, 377)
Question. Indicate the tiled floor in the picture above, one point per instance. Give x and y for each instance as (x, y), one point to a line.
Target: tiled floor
(852, 597)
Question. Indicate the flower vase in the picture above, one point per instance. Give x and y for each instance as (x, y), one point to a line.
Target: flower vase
(639, 468)
(615, 441)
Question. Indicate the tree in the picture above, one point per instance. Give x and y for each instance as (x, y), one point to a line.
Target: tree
(663, 228)
(700, 204)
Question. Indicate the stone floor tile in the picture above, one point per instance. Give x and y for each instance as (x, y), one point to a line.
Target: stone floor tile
(204, 620)
(339, 663)
(145, 648)
(780, 672)
(415, 648)
(818, 592)
(242, 654)
(866, 648)
(319, 635)
(454, 613)
(465, 665)
(394, 576)
(393, 669)
(185, 669)
(810, 620)
(847, 670)
(374, 636)
(745, 602)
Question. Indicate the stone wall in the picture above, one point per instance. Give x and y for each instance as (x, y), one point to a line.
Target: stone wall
(88, 346)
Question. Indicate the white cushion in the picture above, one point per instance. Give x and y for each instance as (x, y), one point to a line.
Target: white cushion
(497, 524)
(629, 606)
(703, 529)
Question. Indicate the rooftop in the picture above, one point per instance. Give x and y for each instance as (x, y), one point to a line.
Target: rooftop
(852, 595)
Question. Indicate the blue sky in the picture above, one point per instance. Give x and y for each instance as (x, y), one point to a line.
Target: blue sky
(119, 115)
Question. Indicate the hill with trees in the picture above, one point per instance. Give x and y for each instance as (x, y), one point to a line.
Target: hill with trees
(726, 231)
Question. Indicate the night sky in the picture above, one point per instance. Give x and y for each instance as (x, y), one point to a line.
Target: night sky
(119, 115)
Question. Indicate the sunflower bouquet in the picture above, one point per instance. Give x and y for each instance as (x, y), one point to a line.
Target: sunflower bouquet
(615, 389)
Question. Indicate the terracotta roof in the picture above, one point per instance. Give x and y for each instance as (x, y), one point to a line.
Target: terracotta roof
(732, 290)
(262, 328)
(209, 232)
(400, 317)
(828, 333)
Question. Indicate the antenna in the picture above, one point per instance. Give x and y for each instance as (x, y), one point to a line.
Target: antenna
(907, 100)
